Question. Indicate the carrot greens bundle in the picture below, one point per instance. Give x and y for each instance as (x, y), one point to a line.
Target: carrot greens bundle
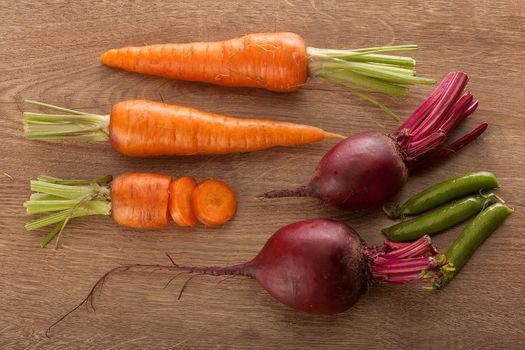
(66, 199)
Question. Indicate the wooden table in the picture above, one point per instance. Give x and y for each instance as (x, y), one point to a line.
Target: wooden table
(49, 51)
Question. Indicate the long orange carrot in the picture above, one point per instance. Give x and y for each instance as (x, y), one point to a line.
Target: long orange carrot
(140, 200)
(146, 128)
(274, 61)
(281, 61)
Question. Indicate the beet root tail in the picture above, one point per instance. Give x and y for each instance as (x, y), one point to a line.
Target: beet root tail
(302, 191)
(238, 270)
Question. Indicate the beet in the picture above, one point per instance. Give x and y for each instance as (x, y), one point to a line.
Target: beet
(367, 169)
(316, 266)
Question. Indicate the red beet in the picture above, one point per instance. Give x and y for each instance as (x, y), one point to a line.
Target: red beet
(318, 266)
(367, 169)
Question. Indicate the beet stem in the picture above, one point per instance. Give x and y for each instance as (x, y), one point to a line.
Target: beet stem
(417, 248)
(457, 114)
(428, 127)
(444, 153)
(395, 245)
(422, 111)
(401, 263)
(443, 107)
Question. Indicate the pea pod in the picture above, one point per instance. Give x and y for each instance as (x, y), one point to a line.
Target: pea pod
(439, 219)
(470, 239)
(446, 191)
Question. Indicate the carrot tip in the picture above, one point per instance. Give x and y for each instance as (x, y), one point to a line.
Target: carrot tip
(331, 135)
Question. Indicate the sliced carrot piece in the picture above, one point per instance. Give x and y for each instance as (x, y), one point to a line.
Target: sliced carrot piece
(213, 202)
(180, 201)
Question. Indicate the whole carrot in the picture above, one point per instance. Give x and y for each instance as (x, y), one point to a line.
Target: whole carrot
(140, 200)
(274, 61)
(147, 128)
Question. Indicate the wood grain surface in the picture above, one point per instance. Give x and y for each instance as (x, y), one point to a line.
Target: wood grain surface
(49, 51)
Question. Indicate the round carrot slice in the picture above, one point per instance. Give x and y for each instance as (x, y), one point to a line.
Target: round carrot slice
(213, 202)
(180, 201)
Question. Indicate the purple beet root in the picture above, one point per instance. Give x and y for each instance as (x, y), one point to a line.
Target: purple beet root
(318, 266)
(367, 169)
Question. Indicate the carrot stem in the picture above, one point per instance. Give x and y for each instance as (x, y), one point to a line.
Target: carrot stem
(366, 69)
(85, 209)
(370, 99)
(58, 228)
(74, 125)
(345, 76)
(66, 199)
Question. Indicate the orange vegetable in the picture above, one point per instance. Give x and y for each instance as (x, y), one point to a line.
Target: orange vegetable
(180, 201)
(274, 61)
(146, 128)
(213, 202)
(140, 199)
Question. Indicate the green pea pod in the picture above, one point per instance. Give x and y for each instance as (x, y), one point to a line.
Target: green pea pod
(470, 239)
(446, 191)
(439, 219)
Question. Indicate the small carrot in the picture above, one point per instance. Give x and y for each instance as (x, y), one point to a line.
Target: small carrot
(147, 128)
(180, 201)
(140, 200)
(274, 61)
(213, 202)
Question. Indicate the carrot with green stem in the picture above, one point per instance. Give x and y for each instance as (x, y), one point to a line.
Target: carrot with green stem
(147, 128)
(278, 62)
(140, 200)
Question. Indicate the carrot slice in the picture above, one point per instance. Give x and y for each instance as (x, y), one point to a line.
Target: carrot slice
(213, 202)
(180, 201)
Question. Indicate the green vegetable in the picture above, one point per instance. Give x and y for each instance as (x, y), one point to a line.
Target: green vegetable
(439, 219)
(469, 240)
(446, 191)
